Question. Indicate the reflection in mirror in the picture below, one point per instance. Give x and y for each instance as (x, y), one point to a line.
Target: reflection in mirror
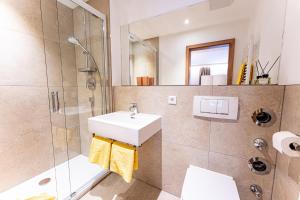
(210, 63)
(210, 43)
(143, 60)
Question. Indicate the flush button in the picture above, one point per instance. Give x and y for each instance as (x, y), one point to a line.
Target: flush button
(208, 106)
(223, 107)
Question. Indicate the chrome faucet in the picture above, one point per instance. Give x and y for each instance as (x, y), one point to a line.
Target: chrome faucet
(133, 109)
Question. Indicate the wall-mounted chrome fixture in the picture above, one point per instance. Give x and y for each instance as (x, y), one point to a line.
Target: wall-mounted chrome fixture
(263, 117)
(257, 191)
(133, 109)
(259, 166)
(260, 144)
(91, 83)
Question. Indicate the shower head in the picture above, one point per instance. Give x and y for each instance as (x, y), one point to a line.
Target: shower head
(73, 40)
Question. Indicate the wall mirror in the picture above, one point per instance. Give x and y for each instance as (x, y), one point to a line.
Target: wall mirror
(210, 43)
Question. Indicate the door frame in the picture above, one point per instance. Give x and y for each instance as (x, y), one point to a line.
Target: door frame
(190, 48)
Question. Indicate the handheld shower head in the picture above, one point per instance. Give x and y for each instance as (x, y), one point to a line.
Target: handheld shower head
(73, 40)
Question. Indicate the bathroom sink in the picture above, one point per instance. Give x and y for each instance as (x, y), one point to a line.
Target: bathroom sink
(121, 126)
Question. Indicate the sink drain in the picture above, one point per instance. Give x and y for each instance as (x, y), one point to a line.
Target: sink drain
(44, 181)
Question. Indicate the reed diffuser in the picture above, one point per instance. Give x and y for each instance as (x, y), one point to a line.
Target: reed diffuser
(263, 75)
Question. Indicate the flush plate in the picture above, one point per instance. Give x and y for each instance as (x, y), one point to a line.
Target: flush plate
(216, 107)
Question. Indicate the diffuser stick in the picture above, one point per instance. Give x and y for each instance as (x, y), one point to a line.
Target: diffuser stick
(261, 67)
(266, 65)
(273, 64)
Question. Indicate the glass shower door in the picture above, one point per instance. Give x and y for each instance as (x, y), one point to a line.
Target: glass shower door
(62, 89)
(89, 43)
(83, 93)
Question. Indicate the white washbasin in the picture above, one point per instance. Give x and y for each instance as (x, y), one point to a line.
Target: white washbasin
(121, 127)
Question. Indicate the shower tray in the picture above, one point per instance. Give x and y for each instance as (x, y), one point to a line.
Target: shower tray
(80, 182)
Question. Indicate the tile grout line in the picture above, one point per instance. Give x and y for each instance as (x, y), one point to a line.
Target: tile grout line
(276, 155)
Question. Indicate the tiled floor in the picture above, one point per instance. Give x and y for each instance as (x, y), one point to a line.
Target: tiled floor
(114, 188)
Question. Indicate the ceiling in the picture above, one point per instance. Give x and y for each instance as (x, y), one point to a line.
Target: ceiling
(201, 15)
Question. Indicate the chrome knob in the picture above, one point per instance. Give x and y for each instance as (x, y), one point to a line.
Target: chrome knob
(256, 190)
(260, 144)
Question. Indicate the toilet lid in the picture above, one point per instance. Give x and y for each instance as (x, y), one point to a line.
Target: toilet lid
(202, 184)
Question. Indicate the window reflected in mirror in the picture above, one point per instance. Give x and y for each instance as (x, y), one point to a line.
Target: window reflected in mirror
(210, 63)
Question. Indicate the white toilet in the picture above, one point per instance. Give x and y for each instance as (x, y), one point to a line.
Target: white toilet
(203, 184)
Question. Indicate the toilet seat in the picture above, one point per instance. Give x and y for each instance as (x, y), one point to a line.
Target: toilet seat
(203, 184)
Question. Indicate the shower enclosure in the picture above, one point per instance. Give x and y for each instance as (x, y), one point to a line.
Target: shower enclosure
(74, 45)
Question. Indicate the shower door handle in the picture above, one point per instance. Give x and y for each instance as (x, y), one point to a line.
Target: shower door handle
(53, 102)
(57, 102)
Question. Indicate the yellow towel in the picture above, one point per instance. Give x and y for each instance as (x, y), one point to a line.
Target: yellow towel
(43, 196)
(100, 151)
(123, 160)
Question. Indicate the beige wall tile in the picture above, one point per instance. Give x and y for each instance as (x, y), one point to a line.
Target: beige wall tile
(24, 64)
(83, 101)
(123, 96)
(294, 170)
(25, 134)
(60, 144)
(286, 184)
(291, 109)
(238, 169)
(69, 69)
(236, 138)
(79, 27)
(74, 142)
(285, 188)
(175, 161)
(65, 22)
(150, 161)
(22, 16)
(50, 20)
(53, 60)
(71, 104)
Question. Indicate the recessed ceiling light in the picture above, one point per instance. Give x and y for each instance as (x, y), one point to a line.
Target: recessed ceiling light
(186, 21)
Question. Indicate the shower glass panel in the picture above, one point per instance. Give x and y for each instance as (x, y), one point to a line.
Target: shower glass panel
(84, 92)
(53, 78)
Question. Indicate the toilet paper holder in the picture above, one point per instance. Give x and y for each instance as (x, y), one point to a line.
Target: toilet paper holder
(295, 146)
